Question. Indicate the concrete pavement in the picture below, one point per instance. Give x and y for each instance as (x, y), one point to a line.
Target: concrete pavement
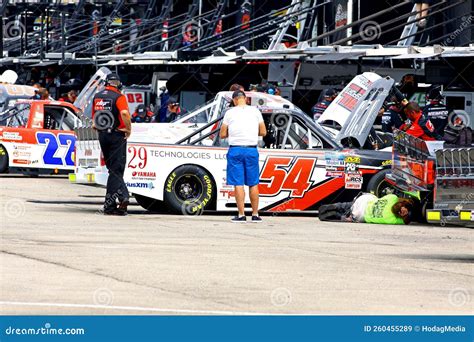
(59, 256)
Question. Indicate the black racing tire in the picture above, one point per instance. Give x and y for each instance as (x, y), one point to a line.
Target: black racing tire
(150, 204)
(189, 190)
(3, 159)
(378, 185)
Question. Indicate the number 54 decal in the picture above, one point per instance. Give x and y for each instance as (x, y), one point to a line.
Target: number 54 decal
(286, 174)
(53, 144)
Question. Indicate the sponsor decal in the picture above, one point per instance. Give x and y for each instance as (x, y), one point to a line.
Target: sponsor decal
(24, 154)
(387, 162)
(351, 96)
(351, 164)
(188, 155)
(101, 104)
(335, 174)
(352, 160)
(11, 136)
(354, 180)
(334, 162)
(144, 175)
(227, 193)
(21, 161)
(22, 147)
(141, 185)
(430, 126)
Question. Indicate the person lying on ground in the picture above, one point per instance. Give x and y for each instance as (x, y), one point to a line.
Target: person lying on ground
(367, 208)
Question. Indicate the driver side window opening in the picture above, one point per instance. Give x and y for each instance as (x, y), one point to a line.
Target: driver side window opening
(59, 118)
(288, 132)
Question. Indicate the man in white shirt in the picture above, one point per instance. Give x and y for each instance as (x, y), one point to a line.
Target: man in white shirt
(243, 125)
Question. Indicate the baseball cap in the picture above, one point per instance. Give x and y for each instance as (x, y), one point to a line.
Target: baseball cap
(238, 93)
(113, 77)
(173, 101)
(330, 92)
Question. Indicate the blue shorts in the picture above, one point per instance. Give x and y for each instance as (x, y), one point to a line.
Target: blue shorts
(242, 166)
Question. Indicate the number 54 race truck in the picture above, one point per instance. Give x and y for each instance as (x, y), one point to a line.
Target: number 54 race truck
(303, 163)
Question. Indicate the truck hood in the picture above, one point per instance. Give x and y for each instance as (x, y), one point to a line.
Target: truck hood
(95, 84)
(356, 107)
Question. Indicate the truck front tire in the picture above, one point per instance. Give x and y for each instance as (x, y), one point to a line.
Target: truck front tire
(189, 190)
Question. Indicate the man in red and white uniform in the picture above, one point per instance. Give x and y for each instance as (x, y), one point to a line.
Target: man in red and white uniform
(418, 125)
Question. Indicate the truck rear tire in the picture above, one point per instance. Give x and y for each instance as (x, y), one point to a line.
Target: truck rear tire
(150, 204)
(189, 190)
(3, 159)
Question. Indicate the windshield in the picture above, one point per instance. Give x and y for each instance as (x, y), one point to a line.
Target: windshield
(16, 116)
(95, 84)
(203, 114)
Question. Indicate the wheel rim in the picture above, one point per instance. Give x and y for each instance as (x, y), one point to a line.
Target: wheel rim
(188, 188)
(384, 188)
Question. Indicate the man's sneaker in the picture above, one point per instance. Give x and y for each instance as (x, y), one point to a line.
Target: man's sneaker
(256, 219)
(239, 219)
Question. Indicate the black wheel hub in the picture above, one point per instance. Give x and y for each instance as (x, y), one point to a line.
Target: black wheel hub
(188, 188)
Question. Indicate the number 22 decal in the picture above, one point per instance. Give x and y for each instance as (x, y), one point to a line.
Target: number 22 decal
(53, 143)
(286, 173)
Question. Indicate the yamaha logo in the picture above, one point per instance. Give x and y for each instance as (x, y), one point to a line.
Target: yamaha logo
(144, 175)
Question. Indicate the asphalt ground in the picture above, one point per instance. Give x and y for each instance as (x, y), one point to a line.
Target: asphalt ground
(60, 256)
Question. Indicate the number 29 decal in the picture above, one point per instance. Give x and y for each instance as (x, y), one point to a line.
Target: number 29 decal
(53, 144)
(286, 174)
(138, 157)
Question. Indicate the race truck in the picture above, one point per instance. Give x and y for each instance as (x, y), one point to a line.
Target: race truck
(89, 162)
(303, 163)
(440, 178)
(36, 136)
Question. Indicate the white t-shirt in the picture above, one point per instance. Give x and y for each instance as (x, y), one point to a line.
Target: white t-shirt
(359, 206)
(243, 122)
